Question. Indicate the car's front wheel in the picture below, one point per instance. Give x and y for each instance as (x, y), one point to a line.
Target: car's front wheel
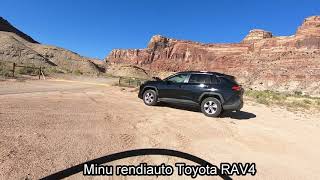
(211, 107)
(150, 97)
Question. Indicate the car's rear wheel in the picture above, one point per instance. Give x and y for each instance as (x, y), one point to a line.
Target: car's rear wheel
(150, 97)
(211, 107)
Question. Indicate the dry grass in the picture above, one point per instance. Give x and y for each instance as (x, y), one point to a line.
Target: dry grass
(290, 101)
(5, 70)
(130, 82)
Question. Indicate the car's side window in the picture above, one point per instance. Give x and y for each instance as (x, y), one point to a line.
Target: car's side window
(200, 78)
(214, 79)
(180, 78)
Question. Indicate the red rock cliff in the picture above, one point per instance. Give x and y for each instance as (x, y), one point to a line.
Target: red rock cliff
(261, 60)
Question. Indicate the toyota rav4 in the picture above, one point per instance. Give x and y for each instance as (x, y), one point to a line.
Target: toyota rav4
(212, 91)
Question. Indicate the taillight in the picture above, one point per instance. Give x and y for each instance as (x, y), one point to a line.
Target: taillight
(236, 88)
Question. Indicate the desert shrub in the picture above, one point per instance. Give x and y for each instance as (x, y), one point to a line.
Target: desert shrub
(265, 96)
(27, 70)
(263, 101)
(5, 73)
(298, 93)
(292, 101)
(53, 70)
(298, 105)
(77, 72)
(307, 101)
(5, 69)
(130, 82)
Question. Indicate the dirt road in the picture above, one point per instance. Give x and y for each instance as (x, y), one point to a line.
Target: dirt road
(47, 126)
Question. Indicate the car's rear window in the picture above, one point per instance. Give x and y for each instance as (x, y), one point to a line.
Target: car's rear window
(229, 79)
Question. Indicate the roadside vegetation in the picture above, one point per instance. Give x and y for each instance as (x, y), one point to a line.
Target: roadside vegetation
(5, 70)
(291, 101)
(129, 82)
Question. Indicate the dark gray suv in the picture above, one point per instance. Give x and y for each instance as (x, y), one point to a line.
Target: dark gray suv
(213, 92)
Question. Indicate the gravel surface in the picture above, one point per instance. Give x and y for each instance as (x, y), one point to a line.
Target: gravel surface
(47, 126)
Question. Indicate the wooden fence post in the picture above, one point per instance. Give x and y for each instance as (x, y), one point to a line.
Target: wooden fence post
(39, 72)
(13, 69)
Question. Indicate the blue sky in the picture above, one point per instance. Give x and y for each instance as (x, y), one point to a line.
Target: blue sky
(93, 28)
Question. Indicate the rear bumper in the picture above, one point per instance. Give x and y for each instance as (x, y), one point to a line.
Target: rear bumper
(237, 105)
(140, 92)
(140, 95)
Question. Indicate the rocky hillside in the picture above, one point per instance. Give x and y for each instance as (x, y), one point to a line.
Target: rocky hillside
(260, 61)
(5, 26)
(15, 46)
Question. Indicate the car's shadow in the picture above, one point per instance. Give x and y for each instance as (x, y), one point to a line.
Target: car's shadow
(240, 115)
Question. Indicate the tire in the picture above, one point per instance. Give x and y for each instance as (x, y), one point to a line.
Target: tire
(150, 97)
(211, 107)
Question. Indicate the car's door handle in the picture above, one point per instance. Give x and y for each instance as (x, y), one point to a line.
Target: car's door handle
(204, 86)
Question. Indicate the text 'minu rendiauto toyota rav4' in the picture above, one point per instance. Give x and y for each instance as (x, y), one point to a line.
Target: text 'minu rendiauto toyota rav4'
(214, 92)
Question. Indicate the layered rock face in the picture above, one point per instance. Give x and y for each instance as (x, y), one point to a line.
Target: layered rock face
(310, 27)
(257, 35)
(260, 61)
(15, 46)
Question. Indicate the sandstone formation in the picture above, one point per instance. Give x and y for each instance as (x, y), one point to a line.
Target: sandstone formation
(260, 61)
(310, 27)
(15, 46)
(128, 71)
(257, 35)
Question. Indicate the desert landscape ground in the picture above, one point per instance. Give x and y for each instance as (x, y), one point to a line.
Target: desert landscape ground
(76, 113)
(50, 125)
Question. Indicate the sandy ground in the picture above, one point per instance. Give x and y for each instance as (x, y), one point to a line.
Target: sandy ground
(47, 126)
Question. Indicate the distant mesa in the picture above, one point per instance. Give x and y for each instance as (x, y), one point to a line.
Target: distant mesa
(310, 27)
(260, 61)
(158, 41)
(256, 35)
